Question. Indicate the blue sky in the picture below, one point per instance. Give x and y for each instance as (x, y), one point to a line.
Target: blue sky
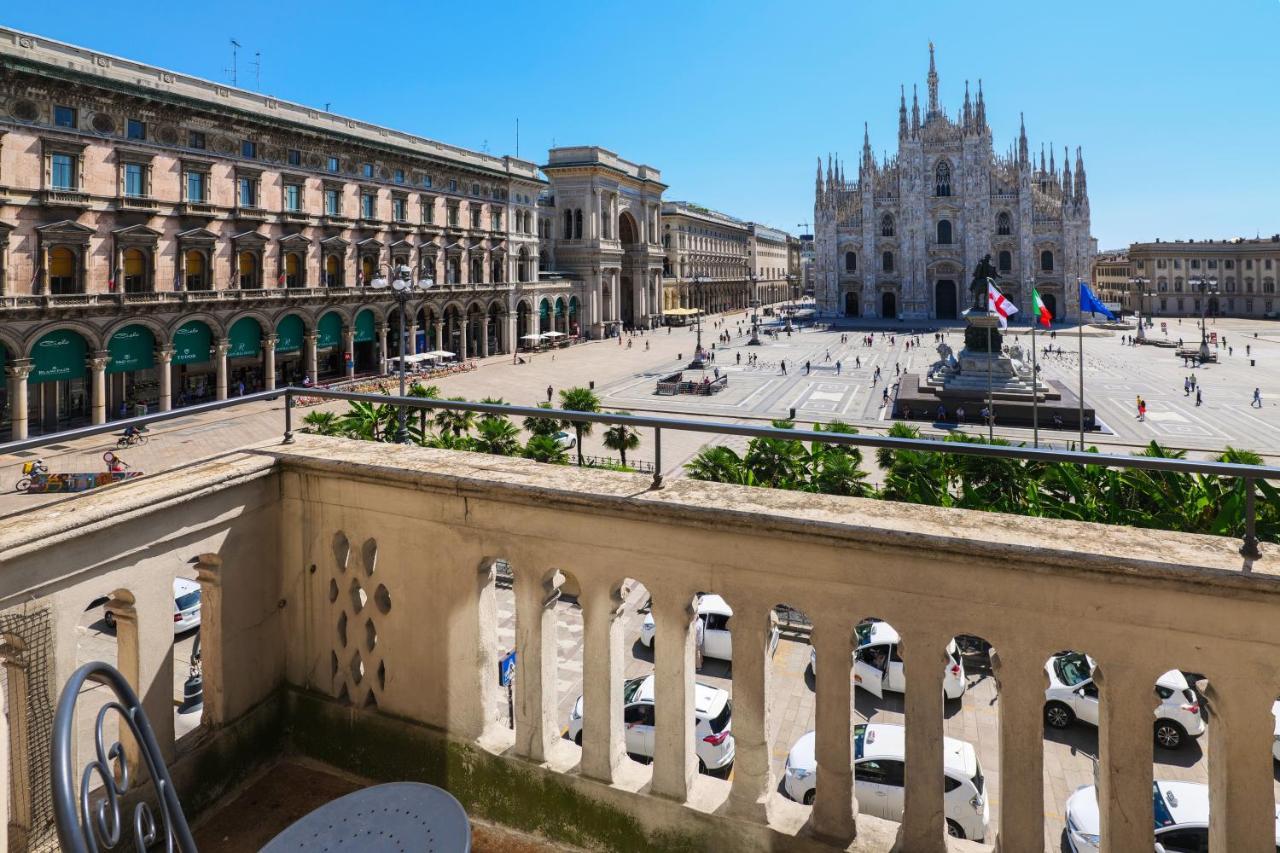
(1174, 103)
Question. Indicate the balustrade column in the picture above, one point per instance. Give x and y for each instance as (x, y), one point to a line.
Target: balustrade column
(833, 807)
(1126, 698)
(212, 665)
(97, 364)
(674, 761)
(602, 671)
(349, 351)
(1241, 734)
(535, 691)
(752, 779)
(269, 362)
(121, 607)
(484, 338)
(164, 360)
(220, 350)
(1020, 680)
(309, 357)
(13, 656)
(923, 826)
(17, 372)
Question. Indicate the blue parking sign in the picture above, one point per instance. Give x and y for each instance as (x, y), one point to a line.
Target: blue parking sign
(507, 668)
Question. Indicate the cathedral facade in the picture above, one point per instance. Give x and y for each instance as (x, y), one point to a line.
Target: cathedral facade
(902, 238)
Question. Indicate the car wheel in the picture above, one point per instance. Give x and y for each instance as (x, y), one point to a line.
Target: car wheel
(702, 767)
(1057, 715)
(953, 829)
(809, 795)
(1169, 735)
(578, 738)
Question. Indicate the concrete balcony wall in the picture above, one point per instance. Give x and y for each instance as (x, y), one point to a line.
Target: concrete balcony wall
(352, 599)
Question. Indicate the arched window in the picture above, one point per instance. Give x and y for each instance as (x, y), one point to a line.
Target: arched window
(666, 241)
(477, 270)
(135, 271)
(886, 226)
(62, 271)
(522, 266)
(1004, 225)
(247, 269)
(195, 277)
(544, 262)
(496, 269)
(1248, 284)
(1231, 284)
(850, 262)
(1268, 286)
(942, 178)
(568, 225)
(292, 270)
(944, 231)
(1177, 284)
(577, 224)
(1005, 263)
(1162, 285)
(886, 262)
(1046, 261)
(332, 271)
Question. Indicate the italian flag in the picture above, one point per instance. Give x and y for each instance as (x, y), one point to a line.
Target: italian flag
(1043, 317)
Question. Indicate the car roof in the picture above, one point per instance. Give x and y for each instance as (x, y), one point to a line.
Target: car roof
(1181, 802)
(880, 632)
(888, 740)
(711, 603)
(182, 586)
(1173, 680)
(707, 700)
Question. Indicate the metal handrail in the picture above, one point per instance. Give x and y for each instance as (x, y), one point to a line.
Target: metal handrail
(1248, 473)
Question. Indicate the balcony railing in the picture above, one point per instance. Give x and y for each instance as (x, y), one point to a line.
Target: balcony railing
(137, 202)
(64, 198)
(349, 597)
(197, 208)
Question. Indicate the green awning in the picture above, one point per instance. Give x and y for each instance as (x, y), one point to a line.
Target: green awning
(329, 331)
(192, 343)
(58, 356)
(131, 348)
(245, 338)
(289, 334)
(365, 327)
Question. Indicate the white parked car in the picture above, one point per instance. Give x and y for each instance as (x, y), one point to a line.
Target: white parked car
(879, 758)
(186, 606)
(566, 440)
(1072, 695)
(713, 719)
(716, 640)
(1181, 818)
(877, 664)
(1275, 745)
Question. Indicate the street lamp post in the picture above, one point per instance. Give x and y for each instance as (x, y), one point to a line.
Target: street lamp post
(755, 312)
(1140, 283)
(1205, 286)
(698, 363)
(400, 280)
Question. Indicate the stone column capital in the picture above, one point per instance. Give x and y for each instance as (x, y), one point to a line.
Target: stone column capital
(221, 347)
(19, 369)
(98, 361)
(271, 340)
(164, 353)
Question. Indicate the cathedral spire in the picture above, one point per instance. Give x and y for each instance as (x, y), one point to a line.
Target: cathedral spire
(1067, 189)
(1082, 193)
(968, 108)
(830, 174)
(982, 108)
(933, 86)
(1053, 170)
(1022, 141)
(915, 111)
(902, 114)
(818, 189)
(1042, 168)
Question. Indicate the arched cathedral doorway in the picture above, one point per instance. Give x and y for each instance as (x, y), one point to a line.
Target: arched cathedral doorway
(851, 304)
(889, 306)
(944, 299)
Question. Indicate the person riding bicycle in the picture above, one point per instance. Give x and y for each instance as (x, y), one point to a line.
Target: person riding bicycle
(131, 432)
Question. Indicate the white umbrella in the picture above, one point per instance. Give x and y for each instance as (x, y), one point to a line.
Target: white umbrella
(532, 338)
(553, 334)
(440, 353)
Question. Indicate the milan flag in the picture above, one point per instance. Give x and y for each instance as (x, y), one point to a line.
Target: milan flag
(998, 305)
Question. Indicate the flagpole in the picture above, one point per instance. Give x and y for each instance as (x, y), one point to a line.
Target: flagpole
(1035, 385)
(991, 429)
(1080, 335)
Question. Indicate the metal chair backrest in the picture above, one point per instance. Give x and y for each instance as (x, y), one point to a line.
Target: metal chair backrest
(87, 824)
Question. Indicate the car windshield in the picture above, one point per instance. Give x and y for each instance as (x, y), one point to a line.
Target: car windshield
(721, 720)
(186, 602)
(1072, 669)
(629, 689)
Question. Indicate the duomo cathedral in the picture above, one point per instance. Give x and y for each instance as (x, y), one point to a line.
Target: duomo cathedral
(901, 239)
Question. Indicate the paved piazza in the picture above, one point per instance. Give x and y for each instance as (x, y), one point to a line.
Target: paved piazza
(625, 377)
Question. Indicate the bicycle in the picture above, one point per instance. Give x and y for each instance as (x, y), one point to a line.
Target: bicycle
(135, 439)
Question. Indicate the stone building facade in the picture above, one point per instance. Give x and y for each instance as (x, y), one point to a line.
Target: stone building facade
(165, 239)
(601, 229)
(902, 237)
(771, 264)
(1237, 277)
(1112, 282)
(706, 259)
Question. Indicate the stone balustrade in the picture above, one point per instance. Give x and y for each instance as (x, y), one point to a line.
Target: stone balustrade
(349, 613)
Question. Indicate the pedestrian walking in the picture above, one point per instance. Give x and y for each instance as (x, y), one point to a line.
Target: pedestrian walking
(884, 397)
(1257, 399)
(549, 393)
(1198, 400)
(739, 358)
(1186, 387)
(837, 368)
(807, 368)
(959, 414)
(784, 367)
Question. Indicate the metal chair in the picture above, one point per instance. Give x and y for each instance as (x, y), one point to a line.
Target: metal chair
(88, 824)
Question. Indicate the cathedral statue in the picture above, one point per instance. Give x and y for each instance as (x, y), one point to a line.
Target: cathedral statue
(978, 287)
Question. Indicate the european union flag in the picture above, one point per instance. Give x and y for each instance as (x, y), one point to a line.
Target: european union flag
(1090, 303)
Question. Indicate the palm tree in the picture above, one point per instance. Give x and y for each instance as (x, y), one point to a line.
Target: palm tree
(580, 400)
(545, 448)
(884, 456)
(458, 421)
(322, 423)
(719, 464)
(542, 426)
(427, 392)
(368, 421)
(622, 438)
(497, 436)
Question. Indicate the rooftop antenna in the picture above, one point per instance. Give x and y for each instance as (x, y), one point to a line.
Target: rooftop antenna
(326, 106)
(257, 70)
(235, 46)
(517, 137)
